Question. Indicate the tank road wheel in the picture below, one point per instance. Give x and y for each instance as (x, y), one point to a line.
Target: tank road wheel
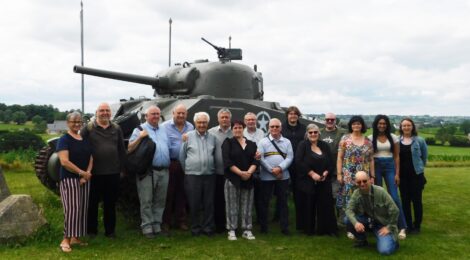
(41, 165)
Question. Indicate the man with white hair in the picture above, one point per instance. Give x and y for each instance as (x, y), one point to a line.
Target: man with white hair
(371, 208)
(197, 159)
(152, 187)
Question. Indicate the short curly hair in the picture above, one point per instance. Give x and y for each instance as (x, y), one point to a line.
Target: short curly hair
(355, 119)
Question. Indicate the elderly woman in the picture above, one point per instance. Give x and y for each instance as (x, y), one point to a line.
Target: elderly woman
(315, 165)
(387, 163)
(354, 154)
(239, 163)
(413, 157)
(75, 172)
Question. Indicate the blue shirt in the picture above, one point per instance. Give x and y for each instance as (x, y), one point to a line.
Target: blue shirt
(175, 136)
(161, 158)
(79, 154)
(271, 158)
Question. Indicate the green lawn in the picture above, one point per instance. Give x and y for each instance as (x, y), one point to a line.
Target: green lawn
(445, 232)
(4, 126)
(448, 150)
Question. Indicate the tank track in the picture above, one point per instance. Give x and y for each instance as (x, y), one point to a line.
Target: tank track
(40, 167)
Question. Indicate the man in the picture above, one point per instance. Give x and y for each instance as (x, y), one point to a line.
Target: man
(221, 132)
(251, 132)
(295, 132)
(152, 187)
(372, 208)
(276, 157)
(332, 135)
(254, 134)
(109, 155)
(175, 197)
(197, 160)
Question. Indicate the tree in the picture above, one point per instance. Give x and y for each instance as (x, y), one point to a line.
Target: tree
(7, 116)
(37, 119)
(2, 116)
(465, 126)
(445, 134)
(19, 117)
(40, 128)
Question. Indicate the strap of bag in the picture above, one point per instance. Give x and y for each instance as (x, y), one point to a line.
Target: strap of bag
(277, 148)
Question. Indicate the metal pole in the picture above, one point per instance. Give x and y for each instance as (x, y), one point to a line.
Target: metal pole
(81, 45)
(169, 50)
(230, 42)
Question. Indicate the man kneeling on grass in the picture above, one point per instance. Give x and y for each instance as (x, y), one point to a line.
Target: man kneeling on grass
(371, 208)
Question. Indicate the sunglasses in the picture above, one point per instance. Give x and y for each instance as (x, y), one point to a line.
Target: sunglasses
(361, 181)
(330, 120)
(274, 126)
(313, 132)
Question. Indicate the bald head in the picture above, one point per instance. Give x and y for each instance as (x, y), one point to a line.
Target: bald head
(330, 121)
(103, 114)
(180, 113)
(363, 181)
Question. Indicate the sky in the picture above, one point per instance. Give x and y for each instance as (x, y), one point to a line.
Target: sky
(349, 57)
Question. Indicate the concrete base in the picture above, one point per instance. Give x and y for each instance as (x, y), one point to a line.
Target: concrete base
(19, 217)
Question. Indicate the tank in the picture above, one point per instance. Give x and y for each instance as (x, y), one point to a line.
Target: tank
(201, 85)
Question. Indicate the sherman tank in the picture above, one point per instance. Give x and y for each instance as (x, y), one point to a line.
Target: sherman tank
(201, 85)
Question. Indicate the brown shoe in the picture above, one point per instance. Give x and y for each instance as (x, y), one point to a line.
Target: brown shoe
(184, 227)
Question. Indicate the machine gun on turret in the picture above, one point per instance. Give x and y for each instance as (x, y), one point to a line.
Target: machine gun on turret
(226, 54)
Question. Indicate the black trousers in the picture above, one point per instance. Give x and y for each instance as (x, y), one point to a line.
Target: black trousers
(103, 188)
(219, 204)
(281, 189)
(411, 191)
(200, 195)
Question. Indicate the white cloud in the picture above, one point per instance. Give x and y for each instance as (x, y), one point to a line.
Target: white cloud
(393, 57)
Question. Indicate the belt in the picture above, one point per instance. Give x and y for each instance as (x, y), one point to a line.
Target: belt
(174, 160)
(158, 168)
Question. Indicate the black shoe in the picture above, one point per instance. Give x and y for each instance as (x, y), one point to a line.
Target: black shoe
(263, 230)
(163, 234)
(149, 235)
(415, 231)
(208, 233)
(195, 234)
(92, 234)
(286, 232)
(111, 236)
(361, 243)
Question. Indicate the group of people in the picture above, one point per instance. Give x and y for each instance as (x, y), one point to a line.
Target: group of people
(221, 174)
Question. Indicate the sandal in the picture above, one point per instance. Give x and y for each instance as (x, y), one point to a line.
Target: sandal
(65, 248)
(77, 242)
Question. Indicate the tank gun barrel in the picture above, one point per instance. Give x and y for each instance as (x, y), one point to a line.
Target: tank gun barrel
(153, 81)
(226, 54)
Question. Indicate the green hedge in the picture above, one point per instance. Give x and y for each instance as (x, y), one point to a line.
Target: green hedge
(10, 141)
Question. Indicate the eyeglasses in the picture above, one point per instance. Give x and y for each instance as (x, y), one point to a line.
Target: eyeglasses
(274, 126)
(312, 132)
(361, 181)
(330, 119)
(76, 122)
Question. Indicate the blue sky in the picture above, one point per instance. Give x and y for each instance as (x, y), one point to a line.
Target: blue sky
(349, 57)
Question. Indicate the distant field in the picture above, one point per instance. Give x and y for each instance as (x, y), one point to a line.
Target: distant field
(15, 127)
(438, 149)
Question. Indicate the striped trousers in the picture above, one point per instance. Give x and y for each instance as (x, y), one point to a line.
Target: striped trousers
(238, 206)
(75, 202)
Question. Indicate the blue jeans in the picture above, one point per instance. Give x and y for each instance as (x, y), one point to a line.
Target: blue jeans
(386, 245)
(385, 167)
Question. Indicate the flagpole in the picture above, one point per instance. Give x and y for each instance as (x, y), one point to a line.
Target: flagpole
(81, 46)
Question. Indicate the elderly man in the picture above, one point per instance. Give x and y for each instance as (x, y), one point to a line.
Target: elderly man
(152, 187)
(332, 135)
(372, 208)
(276, 157)
(175, 197)
(197, 160)
(109, 156)
(254, 134)
(221, 132)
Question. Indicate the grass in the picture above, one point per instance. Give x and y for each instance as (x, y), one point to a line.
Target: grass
(444, 232)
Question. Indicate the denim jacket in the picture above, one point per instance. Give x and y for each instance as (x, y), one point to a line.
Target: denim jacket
(419, 153)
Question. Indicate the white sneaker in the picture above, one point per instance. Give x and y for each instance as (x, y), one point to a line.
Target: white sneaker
(231, 235)
(350, 235)
(402, 234)
(248, 235)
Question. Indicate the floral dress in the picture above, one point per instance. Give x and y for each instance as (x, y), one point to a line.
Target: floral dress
(355, 158)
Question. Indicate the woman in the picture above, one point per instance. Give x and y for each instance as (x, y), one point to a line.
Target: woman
(387, 162)
(354, 154)
(314, 165)
(413, 157)
(75, 172)
(239, 164)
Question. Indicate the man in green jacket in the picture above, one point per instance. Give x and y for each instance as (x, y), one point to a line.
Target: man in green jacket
(372, 208)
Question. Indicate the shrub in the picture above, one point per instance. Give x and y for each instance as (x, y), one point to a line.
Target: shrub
(459, 141)
(430, 140)
(10, 141)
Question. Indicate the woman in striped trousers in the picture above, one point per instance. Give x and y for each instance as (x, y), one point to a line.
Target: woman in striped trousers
(75, 172)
